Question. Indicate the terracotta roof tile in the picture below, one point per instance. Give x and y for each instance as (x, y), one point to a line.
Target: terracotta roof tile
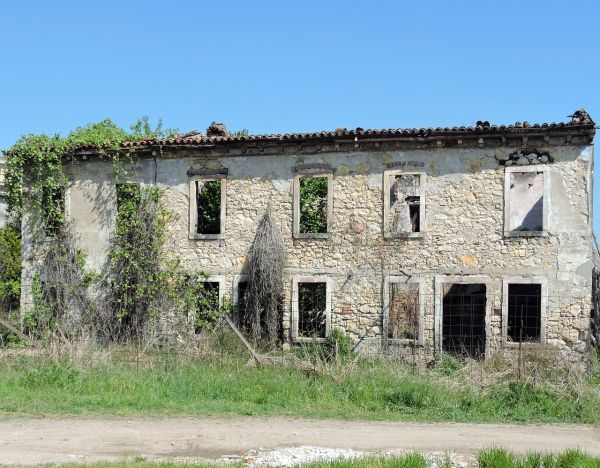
(580, 121)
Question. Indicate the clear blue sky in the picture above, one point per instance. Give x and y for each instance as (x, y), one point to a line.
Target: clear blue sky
(277, 66)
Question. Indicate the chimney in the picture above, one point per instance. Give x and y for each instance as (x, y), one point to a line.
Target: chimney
(216, 129)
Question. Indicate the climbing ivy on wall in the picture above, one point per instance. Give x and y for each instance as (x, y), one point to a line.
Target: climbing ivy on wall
(35, 162)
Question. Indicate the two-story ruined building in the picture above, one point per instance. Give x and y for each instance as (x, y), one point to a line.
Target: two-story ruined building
(463, 239)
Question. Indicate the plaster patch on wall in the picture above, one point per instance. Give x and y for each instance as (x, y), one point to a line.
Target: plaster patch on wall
(342, 170)
(472, 166)
(585, 269)
(363, 168)
(469, 260)
(282, 186)
(563, 217)
(374, 182)
(587, 153)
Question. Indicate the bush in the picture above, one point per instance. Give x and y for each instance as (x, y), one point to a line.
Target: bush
(446, 364)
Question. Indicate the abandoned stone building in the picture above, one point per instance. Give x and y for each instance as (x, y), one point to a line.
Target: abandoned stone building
(464, 240)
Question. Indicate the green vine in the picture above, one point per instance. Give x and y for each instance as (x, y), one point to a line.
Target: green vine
(35, 163)
(139, 279)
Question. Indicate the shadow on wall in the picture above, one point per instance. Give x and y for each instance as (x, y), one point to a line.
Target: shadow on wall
(533, 220)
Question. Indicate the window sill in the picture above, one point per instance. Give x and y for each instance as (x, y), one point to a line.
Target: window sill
(525, 344)
(305, 339)
(206, 237)
(403, 342)
(408, 235)
(526, 234)
(311, 235)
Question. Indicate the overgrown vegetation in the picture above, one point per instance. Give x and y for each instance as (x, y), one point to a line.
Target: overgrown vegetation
(501, 458)
(409, 460)
(212, 377)
(136, 278)
(59, 289)
(313, 205)
(264, 297)
(121, 302)
(10, 269)
(36, 160)
(490, 458)
(143, 287)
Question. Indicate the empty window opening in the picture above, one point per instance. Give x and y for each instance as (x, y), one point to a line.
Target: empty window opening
(241, 302)
(207, 304)
(313, 205)
(208, 206)
(463, 330)
(405, 203)
(312, 310)
(526, 205)
(128, 200)
(403, 313)
(524, 313)
(53, 209)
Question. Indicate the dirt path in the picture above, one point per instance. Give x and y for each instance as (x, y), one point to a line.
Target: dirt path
(27, 441)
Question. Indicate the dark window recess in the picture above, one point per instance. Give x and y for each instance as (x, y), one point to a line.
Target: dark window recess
(242, 302)
(53, 209)
(208, 205)
(524, 312)
(403, 313)
(312, 305)
(463, 330)
(207, 304)
(313, 205)
(414, 206)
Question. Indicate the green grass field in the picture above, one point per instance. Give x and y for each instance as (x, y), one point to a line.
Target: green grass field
(372, 390)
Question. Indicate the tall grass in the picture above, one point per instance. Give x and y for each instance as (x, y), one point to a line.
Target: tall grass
(167, 384)
(501, 458)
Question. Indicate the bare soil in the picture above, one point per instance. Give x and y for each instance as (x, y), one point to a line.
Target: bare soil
(31, 441)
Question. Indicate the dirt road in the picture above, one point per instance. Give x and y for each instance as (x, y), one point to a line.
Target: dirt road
(27, 441)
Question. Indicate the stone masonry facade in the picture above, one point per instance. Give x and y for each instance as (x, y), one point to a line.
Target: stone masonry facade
(464, 240)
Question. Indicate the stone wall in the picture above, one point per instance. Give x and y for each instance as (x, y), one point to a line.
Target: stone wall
(463, 232)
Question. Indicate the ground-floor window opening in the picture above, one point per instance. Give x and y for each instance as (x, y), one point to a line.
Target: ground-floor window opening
(241, 303)
(524, 313)
(312, 310)
(403, 313)
(207, 304)
(463, 330)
